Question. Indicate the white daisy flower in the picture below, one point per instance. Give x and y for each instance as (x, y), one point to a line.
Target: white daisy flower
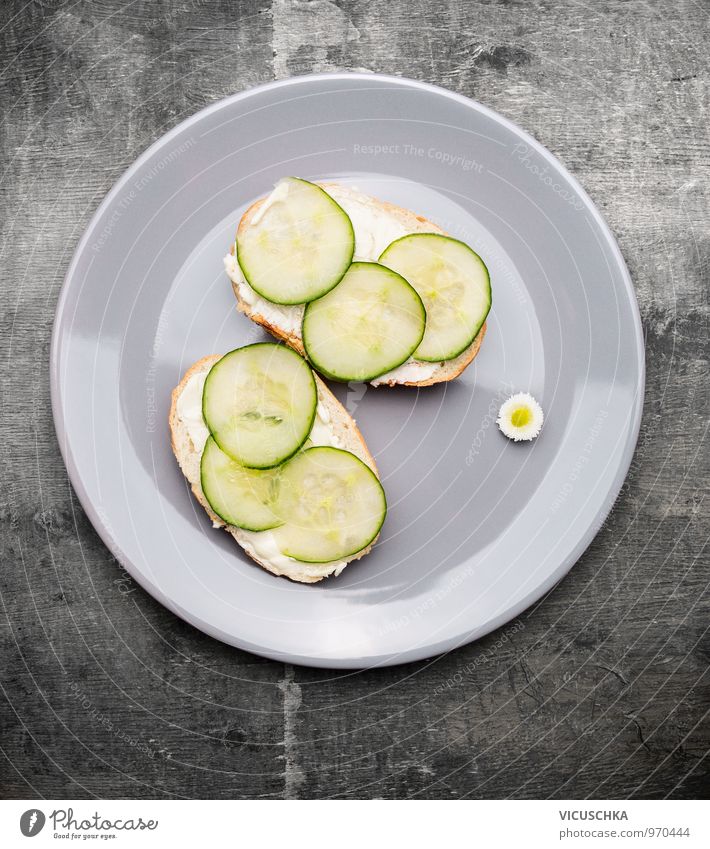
(520, 418)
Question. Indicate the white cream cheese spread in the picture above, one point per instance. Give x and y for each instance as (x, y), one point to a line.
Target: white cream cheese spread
(189, 410)
(264, 545)
(279, 194)
(288, 318)
(411, 370)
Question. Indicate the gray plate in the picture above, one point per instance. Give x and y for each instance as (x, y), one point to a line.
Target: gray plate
(478, 527)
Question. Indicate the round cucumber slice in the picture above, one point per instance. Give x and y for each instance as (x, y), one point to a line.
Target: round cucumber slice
(332, 505)
(297, 245)
(454, 284)
(259, 403)
(240, 496)
(369, 324)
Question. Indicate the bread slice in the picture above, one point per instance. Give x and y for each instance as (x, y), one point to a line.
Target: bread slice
(376, 224)
(188, 454)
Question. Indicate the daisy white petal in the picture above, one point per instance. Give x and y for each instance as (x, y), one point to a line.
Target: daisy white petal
(520, 418)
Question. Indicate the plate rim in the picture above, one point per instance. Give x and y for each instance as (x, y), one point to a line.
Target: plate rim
(417, 653)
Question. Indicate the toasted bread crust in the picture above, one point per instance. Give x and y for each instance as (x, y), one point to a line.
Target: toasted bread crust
(189, 461)
(448, 370)
(290, 339)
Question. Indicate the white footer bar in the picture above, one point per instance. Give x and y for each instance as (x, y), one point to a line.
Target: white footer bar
(356, 824)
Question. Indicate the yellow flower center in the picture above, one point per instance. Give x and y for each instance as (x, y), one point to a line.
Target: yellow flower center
(521, 416)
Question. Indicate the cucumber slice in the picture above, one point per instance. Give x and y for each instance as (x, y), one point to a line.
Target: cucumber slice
(454, 284)
(259, 403)
(332, 505)
(239, 496)
(369, 324)
(298, 244)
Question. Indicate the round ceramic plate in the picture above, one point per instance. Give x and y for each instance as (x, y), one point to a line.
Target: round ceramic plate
(478, 527)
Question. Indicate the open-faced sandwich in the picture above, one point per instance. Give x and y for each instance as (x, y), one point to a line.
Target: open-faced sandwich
(276, 461)
(367, 291)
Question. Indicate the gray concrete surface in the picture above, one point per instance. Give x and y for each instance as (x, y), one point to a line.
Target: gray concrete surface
(601, 689)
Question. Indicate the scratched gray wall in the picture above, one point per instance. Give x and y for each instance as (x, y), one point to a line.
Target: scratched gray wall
(602, 689)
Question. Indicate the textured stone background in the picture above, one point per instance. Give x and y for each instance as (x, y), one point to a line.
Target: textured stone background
(604, 691)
